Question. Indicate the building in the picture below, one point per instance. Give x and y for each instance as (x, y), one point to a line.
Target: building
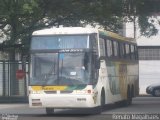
(149, 57)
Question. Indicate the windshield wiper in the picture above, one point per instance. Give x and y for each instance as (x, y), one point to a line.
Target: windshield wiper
(51, 72)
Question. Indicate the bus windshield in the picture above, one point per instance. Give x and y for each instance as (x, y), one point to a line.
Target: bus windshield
(59, 42)
(60, 69)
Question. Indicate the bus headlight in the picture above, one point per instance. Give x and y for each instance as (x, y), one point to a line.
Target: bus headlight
(36, 102)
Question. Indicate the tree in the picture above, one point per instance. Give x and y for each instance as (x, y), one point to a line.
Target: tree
(147, 12)
(19, 18)
(108, 13)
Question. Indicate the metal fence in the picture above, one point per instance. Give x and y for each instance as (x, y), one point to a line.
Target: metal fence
(10, 86)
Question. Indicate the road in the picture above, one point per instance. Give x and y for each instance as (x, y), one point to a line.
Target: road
(147, 107)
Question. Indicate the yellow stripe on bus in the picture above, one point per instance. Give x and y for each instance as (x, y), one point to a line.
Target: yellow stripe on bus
(37, 88)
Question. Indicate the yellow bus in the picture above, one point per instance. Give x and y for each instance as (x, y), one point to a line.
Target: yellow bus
(77, 67)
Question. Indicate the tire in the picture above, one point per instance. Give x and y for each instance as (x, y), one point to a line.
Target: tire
(132, 92)
(102, 99)
(156, 93)
(102, 103)
(128, 101)
(49, 111)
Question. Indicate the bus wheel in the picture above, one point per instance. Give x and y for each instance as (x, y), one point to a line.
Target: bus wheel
(102, 103)
(130, 97)
(128, 101)
(49, 111)
(102, 99)
(132, 92)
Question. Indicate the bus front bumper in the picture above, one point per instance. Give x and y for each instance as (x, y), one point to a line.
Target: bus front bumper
(62, 101)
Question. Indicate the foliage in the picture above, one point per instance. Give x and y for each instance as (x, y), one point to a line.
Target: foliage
(19, 18)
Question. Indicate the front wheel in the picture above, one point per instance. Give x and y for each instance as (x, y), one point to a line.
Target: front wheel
(102, 102)
(49, 111)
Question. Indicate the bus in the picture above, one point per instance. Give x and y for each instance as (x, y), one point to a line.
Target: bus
(76, 67)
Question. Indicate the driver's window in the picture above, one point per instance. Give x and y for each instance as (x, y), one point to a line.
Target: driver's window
(95, 71)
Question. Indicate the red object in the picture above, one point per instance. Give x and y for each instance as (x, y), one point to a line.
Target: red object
(20, 74)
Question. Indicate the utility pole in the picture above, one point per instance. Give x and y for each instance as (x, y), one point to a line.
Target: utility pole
(134, 19)
(134, 26)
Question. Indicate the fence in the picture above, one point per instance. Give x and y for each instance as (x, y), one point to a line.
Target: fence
(12, 89)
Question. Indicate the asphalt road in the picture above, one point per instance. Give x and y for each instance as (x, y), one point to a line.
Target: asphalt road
(144, 108)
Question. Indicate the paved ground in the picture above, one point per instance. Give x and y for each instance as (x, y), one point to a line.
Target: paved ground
(141, 105)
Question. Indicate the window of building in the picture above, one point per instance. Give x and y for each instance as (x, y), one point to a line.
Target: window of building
(149, 53)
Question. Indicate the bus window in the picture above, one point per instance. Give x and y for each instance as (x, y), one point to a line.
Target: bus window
(102, 47)
(94, 43)
(136, 52)
(115, 46)
(127, 51)
(59, 42)
(132, 52)
(109, 48)
(122, 50)
(119, 50)
(94, 70)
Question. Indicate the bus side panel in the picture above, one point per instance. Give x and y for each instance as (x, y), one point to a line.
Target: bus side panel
(113, 78)
(123, 79)
(134, 78)
(120, 76)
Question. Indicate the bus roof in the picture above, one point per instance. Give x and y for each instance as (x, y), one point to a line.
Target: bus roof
(65, 30)
(116, 36)
(80, 30)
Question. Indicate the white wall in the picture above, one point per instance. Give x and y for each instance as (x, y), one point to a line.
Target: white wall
(149, 73)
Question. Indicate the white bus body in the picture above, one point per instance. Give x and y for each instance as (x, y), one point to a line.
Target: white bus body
(82, 68)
